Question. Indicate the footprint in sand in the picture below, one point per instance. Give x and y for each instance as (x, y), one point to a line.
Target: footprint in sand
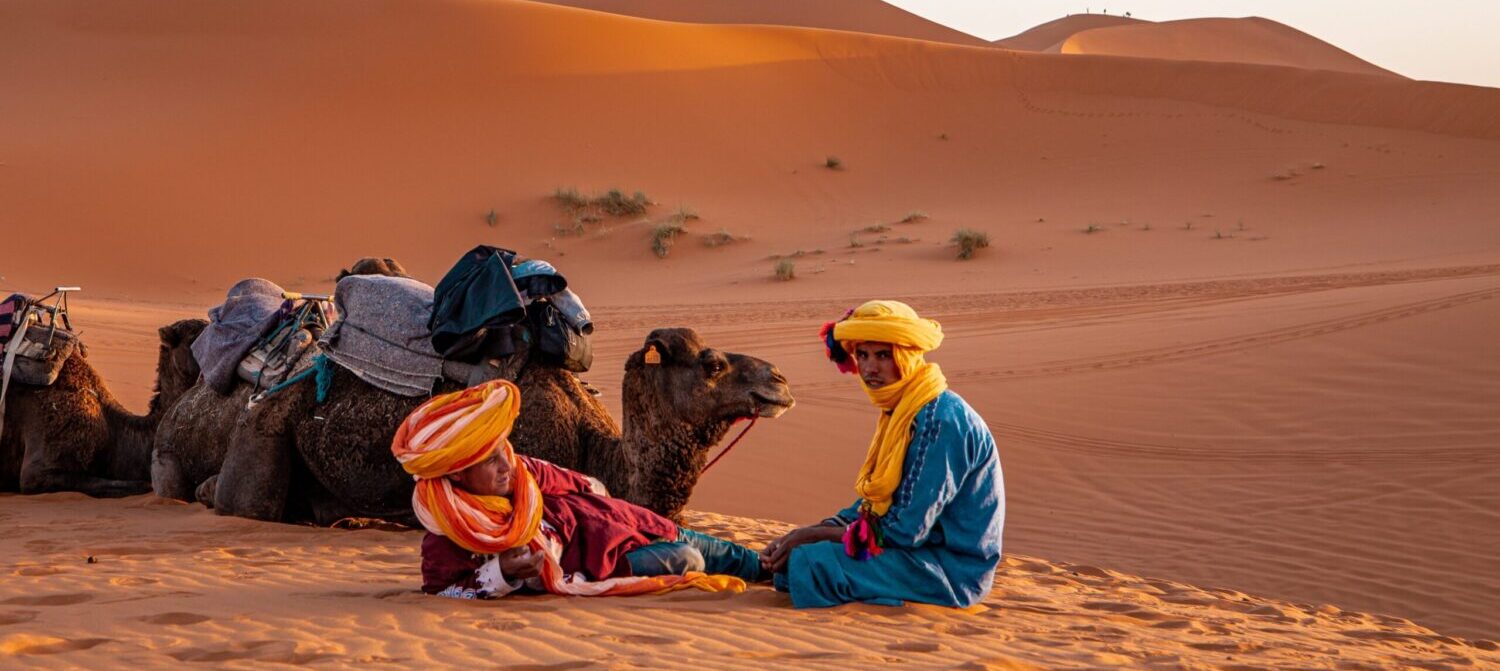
(560, 666)
(639, 639)
(279, 652)
(970, 630)
(915, 646)
(16, 616)
(132, 581)
(500, 625)
(48, 600)
(36, 571)
(174, 618)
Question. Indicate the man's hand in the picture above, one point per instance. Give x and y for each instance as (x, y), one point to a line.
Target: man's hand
(520, 563)
(779, 551)
(596, 486)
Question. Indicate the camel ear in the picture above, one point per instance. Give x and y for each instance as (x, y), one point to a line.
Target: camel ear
(168, 335)
(342, 274)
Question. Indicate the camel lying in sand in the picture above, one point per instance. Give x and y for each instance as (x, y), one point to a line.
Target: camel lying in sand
(74, 436)
(293, 459)
(190, 444)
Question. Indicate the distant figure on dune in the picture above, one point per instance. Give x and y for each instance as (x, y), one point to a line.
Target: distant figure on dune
(498, 522)
(926, 526)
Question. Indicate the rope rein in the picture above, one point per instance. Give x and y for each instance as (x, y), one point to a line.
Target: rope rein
(732, 443)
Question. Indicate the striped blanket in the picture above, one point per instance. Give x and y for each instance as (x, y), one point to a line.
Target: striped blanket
(10, 316)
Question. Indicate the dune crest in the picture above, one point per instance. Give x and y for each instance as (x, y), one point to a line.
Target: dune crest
(1247, 40)
(860, 16)
(1050, 35)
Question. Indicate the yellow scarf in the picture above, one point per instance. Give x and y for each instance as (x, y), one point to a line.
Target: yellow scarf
(910, 336)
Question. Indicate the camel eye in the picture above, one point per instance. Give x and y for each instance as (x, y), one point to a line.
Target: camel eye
(713, 367)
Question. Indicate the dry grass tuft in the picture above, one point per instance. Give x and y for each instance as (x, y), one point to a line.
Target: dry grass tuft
(969, 241)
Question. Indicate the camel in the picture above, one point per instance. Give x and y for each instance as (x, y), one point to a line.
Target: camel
(75, 436)
(292, 459)
(190, 445)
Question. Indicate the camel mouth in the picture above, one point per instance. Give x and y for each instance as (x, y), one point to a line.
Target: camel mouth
(771, 406)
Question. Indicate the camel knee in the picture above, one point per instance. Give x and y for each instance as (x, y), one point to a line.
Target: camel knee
(167, 479)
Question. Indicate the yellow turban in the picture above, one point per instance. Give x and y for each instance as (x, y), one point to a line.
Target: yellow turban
(911, 336)
(892, 322)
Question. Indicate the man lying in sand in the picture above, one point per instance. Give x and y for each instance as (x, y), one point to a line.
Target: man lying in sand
(498, 522)
(926, 526)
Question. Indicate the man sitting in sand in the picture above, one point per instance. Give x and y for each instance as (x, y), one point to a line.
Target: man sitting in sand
(498, 522)
(926, 526)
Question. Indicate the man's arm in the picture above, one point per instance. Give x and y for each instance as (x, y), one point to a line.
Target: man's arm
(937, 461)
(845, 517)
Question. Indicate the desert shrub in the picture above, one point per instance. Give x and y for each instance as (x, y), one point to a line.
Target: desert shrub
(720, 238)
(663, 236)
(1092, 229)
(492, 218)
(876, 228)
(569, 198)
(913, 217)
(970, 241)
(616, 204)
(833, 163)
(786, 270)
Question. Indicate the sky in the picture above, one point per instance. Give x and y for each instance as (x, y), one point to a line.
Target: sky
(1442, 40)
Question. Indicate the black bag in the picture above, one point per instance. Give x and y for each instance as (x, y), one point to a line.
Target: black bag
(555, 342)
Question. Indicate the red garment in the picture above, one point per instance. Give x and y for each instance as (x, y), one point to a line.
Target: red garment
(596, 532)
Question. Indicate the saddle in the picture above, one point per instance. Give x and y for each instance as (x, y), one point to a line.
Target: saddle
(36, 340)
(302, 319)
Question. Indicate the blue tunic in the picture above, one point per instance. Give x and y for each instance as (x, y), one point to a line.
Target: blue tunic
(942, 532)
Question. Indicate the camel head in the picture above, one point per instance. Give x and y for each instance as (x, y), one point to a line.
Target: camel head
(176, 369)
(371, 265)
(691, 382)
(680, 398)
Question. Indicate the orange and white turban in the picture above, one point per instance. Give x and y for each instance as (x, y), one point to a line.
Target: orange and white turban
(452, 432)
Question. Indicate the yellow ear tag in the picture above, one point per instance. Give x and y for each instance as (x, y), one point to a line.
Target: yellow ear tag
(653, 357)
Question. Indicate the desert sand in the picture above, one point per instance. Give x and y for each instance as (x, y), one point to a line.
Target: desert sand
(1248, 40)
(860, 16)
(1232, 333)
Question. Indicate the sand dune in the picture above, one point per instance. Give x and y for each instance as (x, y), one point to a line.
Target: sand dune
(1232, 330)
(1050, 35)
(860, 16)
(171, 583)
(1248, 40)
(237, 148)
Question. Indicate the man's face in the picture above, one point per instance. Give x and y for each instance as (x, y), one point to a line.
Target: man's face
(490, 477)
(877, 364)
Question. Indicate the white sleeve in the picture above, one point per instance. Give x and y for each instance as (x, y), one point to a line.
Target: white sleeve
(493, 582)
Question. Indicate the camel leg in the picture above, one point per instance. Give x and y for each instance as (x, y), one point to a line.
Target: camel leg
(42, 473)
(205, 491)
(254, 479)
(167, 479)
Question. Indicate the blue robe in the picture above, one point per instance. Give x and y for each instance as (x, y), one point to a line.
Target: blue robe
(942, 532)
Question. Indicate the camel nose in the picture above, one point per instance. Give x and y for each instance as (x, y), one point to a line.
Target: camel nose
(778, 378)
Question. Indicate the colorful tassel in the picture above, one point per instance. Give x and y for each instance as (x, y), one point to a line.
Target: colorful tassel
(864, 538)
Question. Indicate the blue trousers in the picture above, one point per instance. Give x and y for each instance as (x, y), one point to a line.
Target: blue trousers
(693, 551)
